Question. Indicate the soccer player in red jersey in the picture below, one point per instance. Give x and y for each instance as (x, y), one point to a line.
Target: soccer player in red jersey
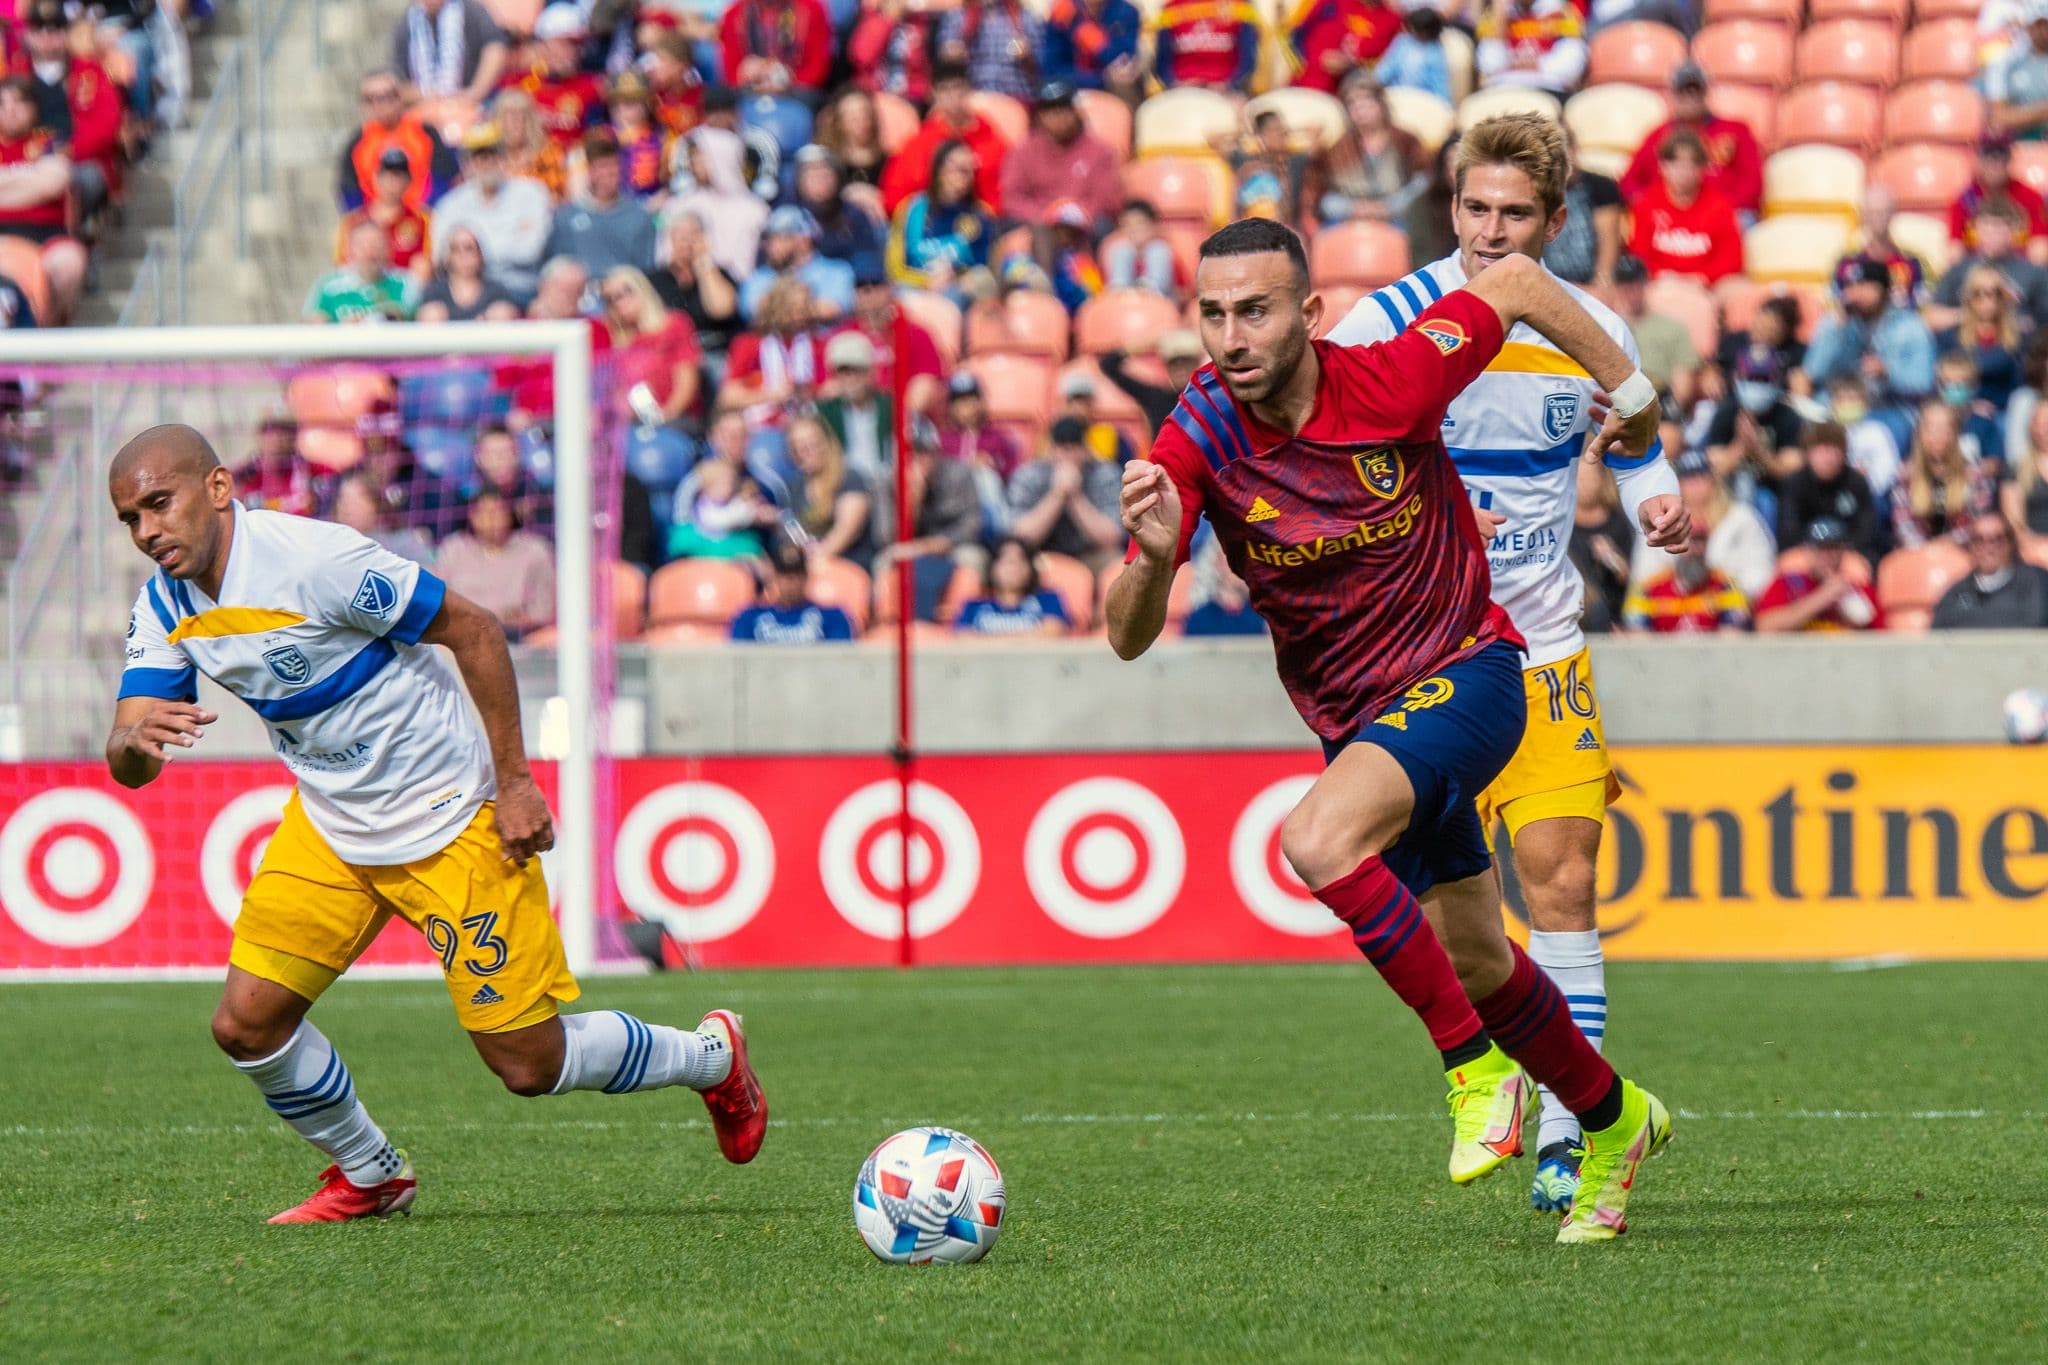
(1323, 472)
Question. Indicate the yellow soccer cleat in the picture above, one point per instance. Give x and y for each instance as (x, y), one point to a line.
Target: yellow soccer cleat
(1490, 1098)
(1607, 1171)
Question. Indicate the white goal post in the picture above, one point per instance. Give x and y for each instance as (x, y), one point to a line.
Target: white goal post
(568, 346)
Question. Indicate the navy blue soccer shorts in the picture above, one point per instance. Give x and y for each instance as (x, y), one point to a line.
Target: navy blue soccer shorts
(1452, 733)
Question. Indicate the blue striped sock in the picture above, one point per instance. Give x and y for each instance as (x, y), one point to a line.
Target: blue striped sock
(618, 1054)
(1575, 962)
(306, 1084)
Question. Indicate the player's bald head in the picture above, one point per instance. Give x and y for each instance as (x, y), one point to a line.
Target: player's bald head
(170, 451)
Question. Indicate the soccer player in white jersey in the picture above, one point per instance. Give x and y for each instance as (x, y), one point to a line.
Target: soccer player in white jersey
(1515, 435)
(405, 805)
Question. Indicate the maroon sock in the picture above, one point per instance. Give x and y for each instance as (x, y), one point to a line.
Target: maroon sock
(1528, 1018)
(1387, 925)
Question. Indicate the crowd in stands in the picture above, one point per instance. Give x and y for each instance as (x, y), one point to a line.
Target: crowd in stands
(1822, 218)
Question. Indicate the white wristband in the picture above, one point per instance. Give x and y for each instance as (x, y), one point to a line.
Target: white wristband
(1634, 394)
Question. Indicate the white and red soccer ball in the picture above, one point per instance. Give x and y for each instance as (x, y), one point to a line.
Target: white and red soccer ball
(2026, 716)
(929, 1194)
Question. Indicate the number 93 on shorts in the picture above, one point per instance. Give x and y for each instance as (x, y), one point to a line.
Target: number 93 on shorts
(1561, 767)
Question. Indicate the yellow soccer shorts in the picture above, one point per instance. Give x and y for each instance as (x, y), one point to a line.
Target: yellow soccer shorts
(308, 915)
(1562, 766)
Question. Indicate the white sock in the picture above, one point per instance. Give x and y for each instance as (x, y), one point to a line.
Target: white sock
(616, 1053)
(1575, 963)
(307, 1085)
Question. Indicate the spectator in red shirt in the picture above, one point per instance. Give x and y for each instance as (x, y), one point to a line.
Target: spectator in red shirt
(1681, 226)
(657, 349)
(93, 104)
(1206, 42)
(1689, 598)
(1332, 38)
(777, 47)
(1994, 185)
(558, 297)
(386, 125)
(35, 180)
(1822, 597)
(951, 120)
(672, 80)
(1735, 167)
(890, 49)
(781, 361)
(405, 227)
(569, 98)
(874, 316)
(1534, 44)
(1062, 161)
(966, 434)
(276, 477)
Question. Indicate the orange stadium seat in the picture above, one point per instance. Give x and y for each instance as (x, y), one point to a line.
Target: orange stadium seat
(1025, 322)
(1185, 189)
(1786, 12)
(699, 634)
(1071, 579)
(895, 119)
(1364, 254)
(331, 448)
(841, 583)
(1754, 106)
(515, 16)
(1425, 115)
(1018, 390)
(1185, 121)
(629, 599)
(939, 316)
(706, 592)
(22, 261)
(1892, 12)
(1507, 99)
(1740, 297)
(1926, 235)
(1934, 111)
(1814, 179)
(1747, 51)
(1927, 10)
(1123, 320)
(336, 396)
(1005, 112)
(2030, 165)
(1945, 49)
(1849, 50)
(1924, 177)
(1830, 113)
(1910, 582)
(1637, 52)
(1108, 117)
(1687, 301)
(1180, 598)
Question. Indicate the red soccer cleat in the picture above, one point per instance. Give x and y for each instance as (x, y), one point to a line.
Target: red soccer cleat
(337, 1201)
(739, 1111)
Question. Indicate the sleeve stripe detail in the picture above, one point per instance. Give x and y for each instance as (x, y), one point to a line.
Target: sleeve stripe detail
(428, 592)
(332, 690)
(156, 604)
(1408, 293)
(1192, 428)
(1656, 452)
(1436, 291)
(1393, 314)
(1233, 430)
(167, 684)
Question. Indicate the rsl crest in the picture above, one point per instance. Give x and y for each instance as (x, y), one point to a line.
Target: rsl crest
(1380, 470)
(1560, 415)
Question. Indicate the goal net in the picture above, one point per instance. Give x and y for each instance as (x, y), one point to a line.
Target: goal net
(492, 451)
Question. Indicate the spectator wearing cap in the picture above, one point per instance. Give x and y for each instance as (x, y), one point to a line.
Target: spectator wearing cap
(461, 289)
(998, 41)
(1417, 58)
(780, 360)
(695, 284)
(44, 34)
(1138, 256)
(875, 316)
(646, 148)
(387, 125)
(967, 435)
(1180, 352)
(1820, 596)
(1942, 487)
(1011, 602)
(1873, 338)
(1668, 356)
(1753, 440)
(777, 47)
(1689, 597)
(945, 230)
(569, 98)
(1061, 162)
(1076, 277)
(890, 49)
(1066, 501)
(952, 119)
(82, 107)
(405, 227)
(1825, 486)
(786, 615)
(604, 228)
(846, 230)
(862, 418)
(1737, 542)
(1996, 231)
(1682, 226)
(448, 50)
(656, 348)
(1374, 171)
(1735, 165)
(1994, 185)
(363, 288)
(720, 198)
(945, 521)
(2001, 593)
(1585, 250)
(1102, 439)
(1331, 38)
(1533, 44)
(511, 215)
(1212, 43)
(1093, 45)
(789, 251)
(2017, 83)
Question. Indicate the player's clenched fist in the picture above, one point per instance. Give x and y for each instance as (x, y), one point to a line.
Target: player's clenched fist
(524, 825)
(1150, 507)
(167, 726)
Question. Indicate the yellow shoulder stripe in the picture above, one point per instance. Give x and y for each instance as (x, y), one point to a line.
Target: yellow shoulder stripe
(234, 621)
(1522, 357)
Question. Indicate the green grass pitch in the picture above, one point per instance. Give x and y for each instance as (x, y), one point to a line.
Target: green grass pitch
(1204, 1163)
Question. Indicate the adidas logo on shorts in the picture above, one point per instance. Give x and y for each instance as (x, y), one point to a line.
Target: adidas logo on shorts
(486, 996)
(1587, 740)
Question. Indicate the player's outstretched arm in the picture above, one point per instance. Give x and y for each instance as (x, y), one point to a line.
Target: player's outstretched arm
(477, 641)
(1135, 606)
(144, 729)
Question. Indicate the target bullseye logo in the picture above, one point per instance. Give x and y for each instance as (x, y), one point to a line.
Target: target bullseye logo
(75, 867)
(1104, 858)
(234, 847)
(696, 857)
(860, 860)
(1262, 876)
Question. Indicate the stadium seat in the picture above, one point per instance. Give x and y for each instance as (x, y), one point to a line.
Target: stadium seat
(1338, 300)
(1071, 579)
(1926, 236)
(1462, 56)
(1911, 581)
(1023, 322)
(1314, 120)
(1849, 50)
(334, 396)
(1185, 189)
(701, 591)
(1814, 179)
(843, 584)
(445, 454)
(1179, 598)
(1506, 99)
(1419, 112)
(1123, 320)
(1830, 114)
(1005, 112)
(1745, 51)
(22, 261)
(1925, 11)
(2030, 165)
(1755, 106)
(1108, 117)
(450, 398)
(1367, 255)
(896, 119)
(331, 448)
(629, 600)
(1017, 388)
(1740, 297)
(939, 316)
(786, 120)
(1786, 12)
(1638, 52)
(961, 587)
(1687, 301)
(699, 634)
(1944, 50)
(1934, 111)
(1614, 117)
(1924, 177)
(1892, 12)
(659, 456)
(1183, 122)
(1795, 248)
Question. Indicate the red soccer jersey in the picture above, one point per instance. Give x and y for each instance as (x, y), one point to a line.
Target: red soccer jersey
(567, 104)
(1701, 239)
(48, 214)
(1354, 535)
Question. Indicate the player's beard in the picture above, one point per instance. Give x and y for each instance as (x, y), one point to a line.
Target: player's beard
(1275, 372)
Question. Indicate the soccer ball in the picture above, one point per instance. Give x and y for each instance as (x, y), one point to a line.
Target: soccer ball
(929, 1194)
(2026, 716)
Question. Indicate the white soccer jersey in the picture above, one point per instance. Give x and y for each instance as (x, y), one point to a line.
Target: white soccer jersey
(1515, 436)
(317, 629)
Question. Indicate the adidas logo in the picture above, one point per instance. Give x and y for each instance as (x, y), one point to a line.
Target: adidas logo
(486, 996)
(1587, 740)
(1397, 719)
(1262, 511)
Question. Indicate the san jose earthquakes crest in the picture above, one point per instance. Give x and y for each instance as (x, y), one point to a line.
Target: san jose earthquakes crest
(1380, 470)
(288, 665)
(1560, 415)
